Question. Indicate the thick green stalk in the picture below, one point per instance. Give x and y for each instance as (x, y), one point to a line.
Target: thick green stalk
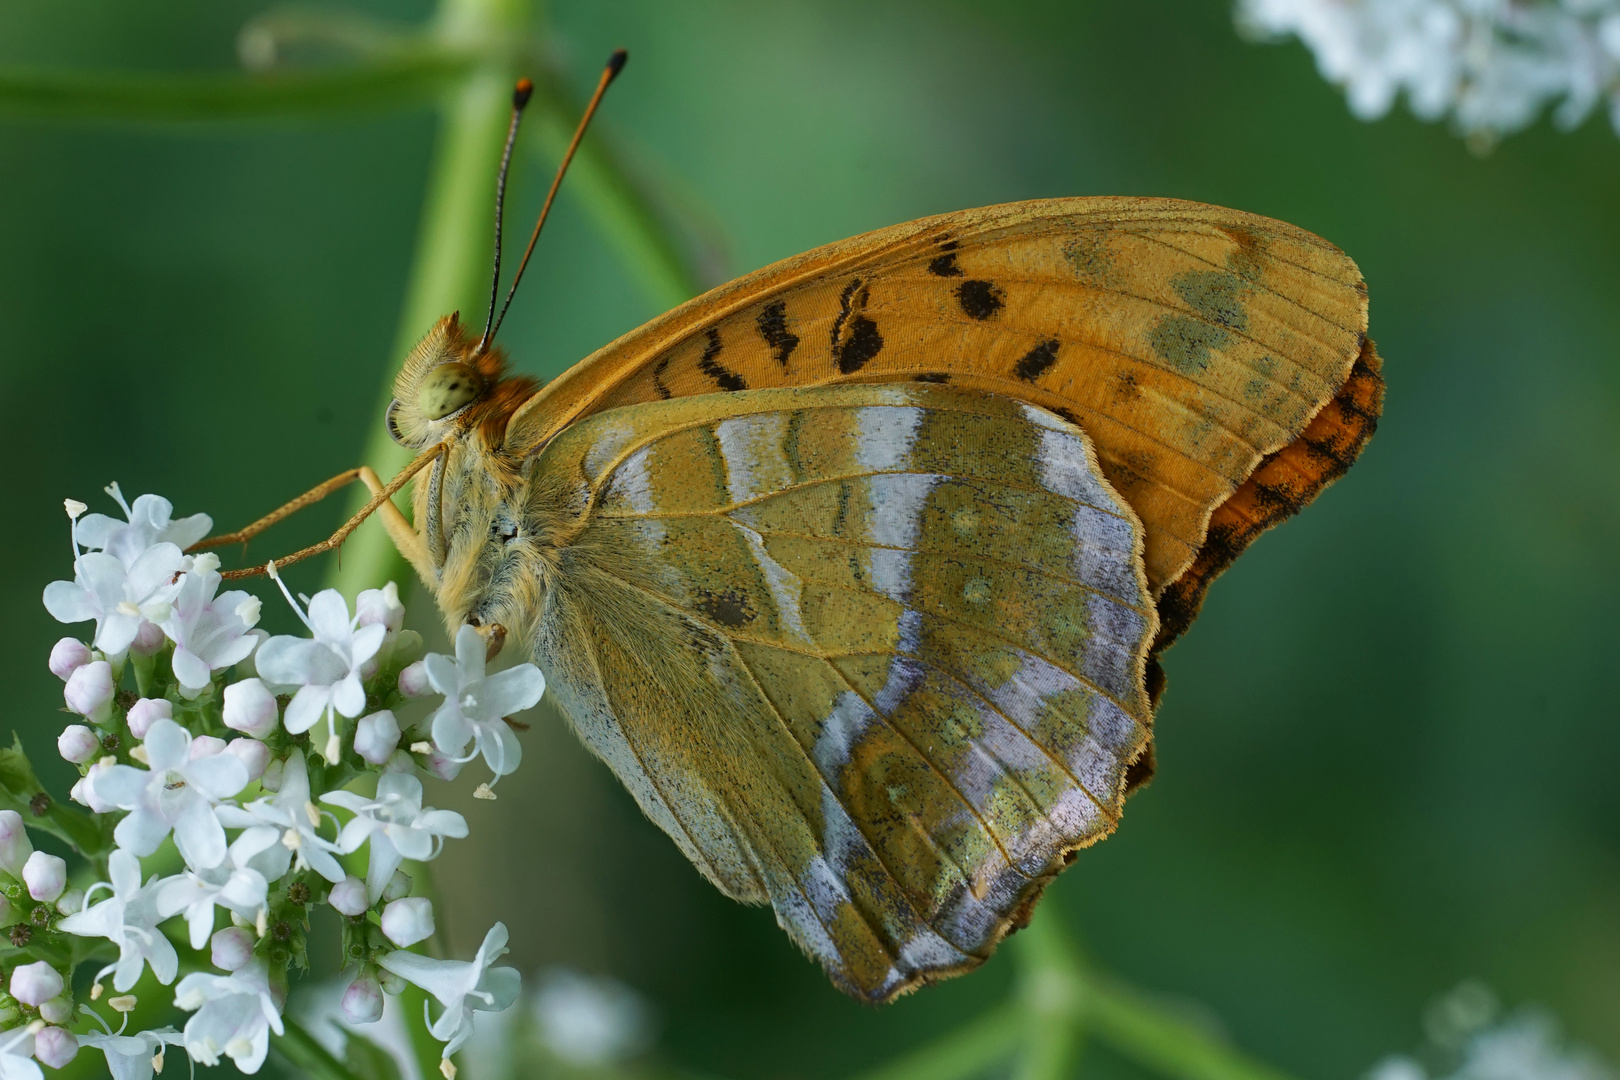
(1050, 986)
(1159, 1039)
(383, 82)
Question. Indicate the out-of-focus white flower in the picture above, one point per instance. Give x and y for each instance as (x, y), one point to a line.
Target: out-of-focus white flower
(349, 896)
(461, 987)
(16, 1053)
(77, 744)
(230, 948)
(408, 920)
(209, 632)
(294, 816)
(1463, 1027)
(475, 707)
(129, 920)
(146, 712)
(250, 708)
(1493, 65)
(89, 690)
(234, 885)
(119, 598)
(363, 1000)
(397, 826)
(178, 792)
(235, 1015)
(45, 875)
(376, 736)
(129, 1057)
(15, 847)
(67, 656)
(36, 983)
(326, 669)
(590, 1021)
(55, 1047)
(149, 522)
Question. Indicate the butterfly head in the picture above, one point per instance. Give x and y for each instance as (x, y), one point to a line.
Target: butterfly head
(448, 386)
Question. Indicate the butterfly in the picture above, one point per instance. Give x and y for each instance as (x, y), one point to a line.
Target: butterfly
(857, 571)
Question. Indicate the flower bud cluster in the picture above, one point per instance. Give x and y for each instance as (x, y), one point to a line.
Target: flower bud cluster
(283, 772)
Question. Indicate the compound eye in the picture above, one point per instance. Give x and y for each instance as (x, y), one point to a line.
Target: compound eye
(447, 388)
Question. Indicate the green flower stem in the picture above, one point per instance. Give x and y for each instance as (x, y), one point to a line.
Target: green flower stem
(307, 1056)
(1051, 989)
(383, 82)
(968, 1051)
(1161, 1039)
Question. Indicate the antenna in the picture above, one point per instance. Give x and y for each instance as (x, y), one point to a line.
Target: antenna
(520, 97)
(615, 65)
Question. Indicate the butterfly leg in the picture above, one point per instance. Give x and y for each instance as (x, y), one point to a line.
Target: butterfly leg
(405, 538)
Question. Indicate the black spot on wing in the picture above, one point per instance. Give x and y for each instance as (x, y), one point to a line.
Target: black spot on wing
(854, 347)
(658, 377)
(726, 380)
(980, 299)
(1036, 362)
(727, 607)
(945, 266)
(931, 376)
(772, 323)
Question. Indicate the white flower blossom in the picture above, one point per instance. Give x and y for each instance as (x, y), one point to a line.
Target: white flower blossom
(129, 1057)
(590, 1021)
(461, 987)
(296, 819)
(121, 599)
(16, 1053)
(178, 792)
(129, 920)
(326, 669)
(1494, 65)
(397, 825)
(150, 522)
(475, 706)
(235, 1015)
(209, 632)
(235, 885)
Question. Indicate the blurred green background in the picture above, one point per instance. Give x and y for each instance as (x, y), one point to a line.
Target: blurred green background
(1388, 755)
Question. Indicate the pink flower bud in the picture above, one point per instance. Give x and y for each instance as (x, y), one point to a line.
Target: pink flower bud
(400, 761)
(205, 746)
(89, 690)
(148, 640)
(250, 708)
(376, 736)
(55, 1047)
(349, 896)
(231, 948)
(413, 680)
(381, 607)
(363, 1000)
(273, 773)
(45, 875)
(146, 712)
(69, 903)
(399, 885)
(404, 922)
(254, 754)
(78, 744)
(15, 847)
(58, 1010)
(68, 656)
(442, 765)
(37, 983)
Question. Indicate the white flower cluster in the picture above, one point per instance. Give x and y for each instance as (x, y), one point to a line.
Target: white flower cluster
(265, 762)
(1469, 1039)
(1493, 65)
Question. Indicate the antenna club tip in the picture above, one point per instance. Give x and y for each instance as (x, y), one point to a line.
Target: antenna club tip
(615, 62)
(521, 93)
